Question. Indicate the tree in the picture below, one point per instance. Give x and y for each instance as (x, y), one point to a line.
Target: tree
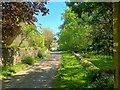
(73, 32)
(15, 12)
(31, 34)
(0, 24)
(36, 39)
(26, 31)
(116, 27)
(100, 15)
(48, 36)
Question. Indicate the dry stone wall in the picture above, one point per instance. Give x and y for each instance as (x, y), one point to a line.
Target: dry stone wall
(11, 56)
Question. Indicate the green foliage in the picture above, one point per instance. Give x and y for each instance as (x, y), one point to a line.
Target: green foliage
(43, 49)
(101, 78)
(15, 12)
(6, 71)
(31, 34)
(87, 26)
(36, 39)
(73, 73)
(48, 36)
(28, 60)
(36, 59)
(40, 55)
(101, 61)
(9, 70)
(73, 36)
(70, 74)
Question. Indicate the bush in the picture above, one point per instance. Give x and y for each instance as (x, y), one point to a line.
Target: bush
(104, 82)
(7, 71)
(93, 75)
(28, 60)
(44, 49)
(40, 55)
(100, 79)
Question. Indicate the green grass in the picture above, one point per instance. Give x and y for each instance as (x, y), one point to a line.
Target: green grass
(72, 73)
(101, 61)
(9, 70)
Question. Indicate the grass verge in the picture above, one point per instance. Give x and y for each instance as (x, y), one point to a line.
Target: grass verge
(74, 74)
(101, 61)
(27, 60)
(9, 70)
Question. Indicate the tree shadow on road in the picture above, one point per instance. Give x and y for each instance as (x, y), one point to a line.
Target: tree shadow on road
(38, 76)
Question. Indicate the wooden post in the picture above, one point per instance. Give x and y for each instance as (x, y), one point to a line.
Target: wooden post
(116, 31)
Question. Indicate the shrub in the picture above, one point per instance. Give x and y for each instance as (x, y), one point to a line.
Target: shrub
(12, 70)
(35, 47)
(44, 49)
(93, 75)
(104, 82)
(28, 60)
(6, 73)
(40, 55)
(100, 79)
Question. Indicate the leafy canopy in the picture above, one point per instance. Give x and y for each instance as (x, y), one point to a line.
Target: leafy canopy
(15, 12)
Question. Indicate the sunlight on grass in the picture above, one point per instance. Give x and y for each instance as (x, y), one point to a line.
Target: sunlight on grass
(75, 74)
(70, 74)
(101, 61)
(9, 70)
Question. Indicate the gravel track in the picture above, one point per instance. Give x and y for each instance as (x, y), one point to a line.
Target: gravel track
(39, 75)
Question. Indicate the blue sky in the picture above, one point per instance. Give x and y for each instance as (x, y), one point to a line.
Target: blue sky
(52, 20)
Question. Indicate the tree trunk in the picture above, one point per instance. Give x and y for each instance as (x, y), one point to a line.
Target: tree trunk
(116, 30)
(21, 42)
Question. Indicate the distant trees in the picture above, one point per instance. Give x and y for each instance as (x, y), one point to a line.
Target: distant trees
(48, 36)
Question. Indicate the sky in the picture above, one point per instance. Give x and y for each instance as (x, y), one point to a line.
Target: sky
(52, 20)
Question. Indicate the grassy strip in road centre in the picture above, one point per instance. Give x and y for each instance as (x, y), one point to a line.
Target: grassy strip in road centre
(75, 74)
